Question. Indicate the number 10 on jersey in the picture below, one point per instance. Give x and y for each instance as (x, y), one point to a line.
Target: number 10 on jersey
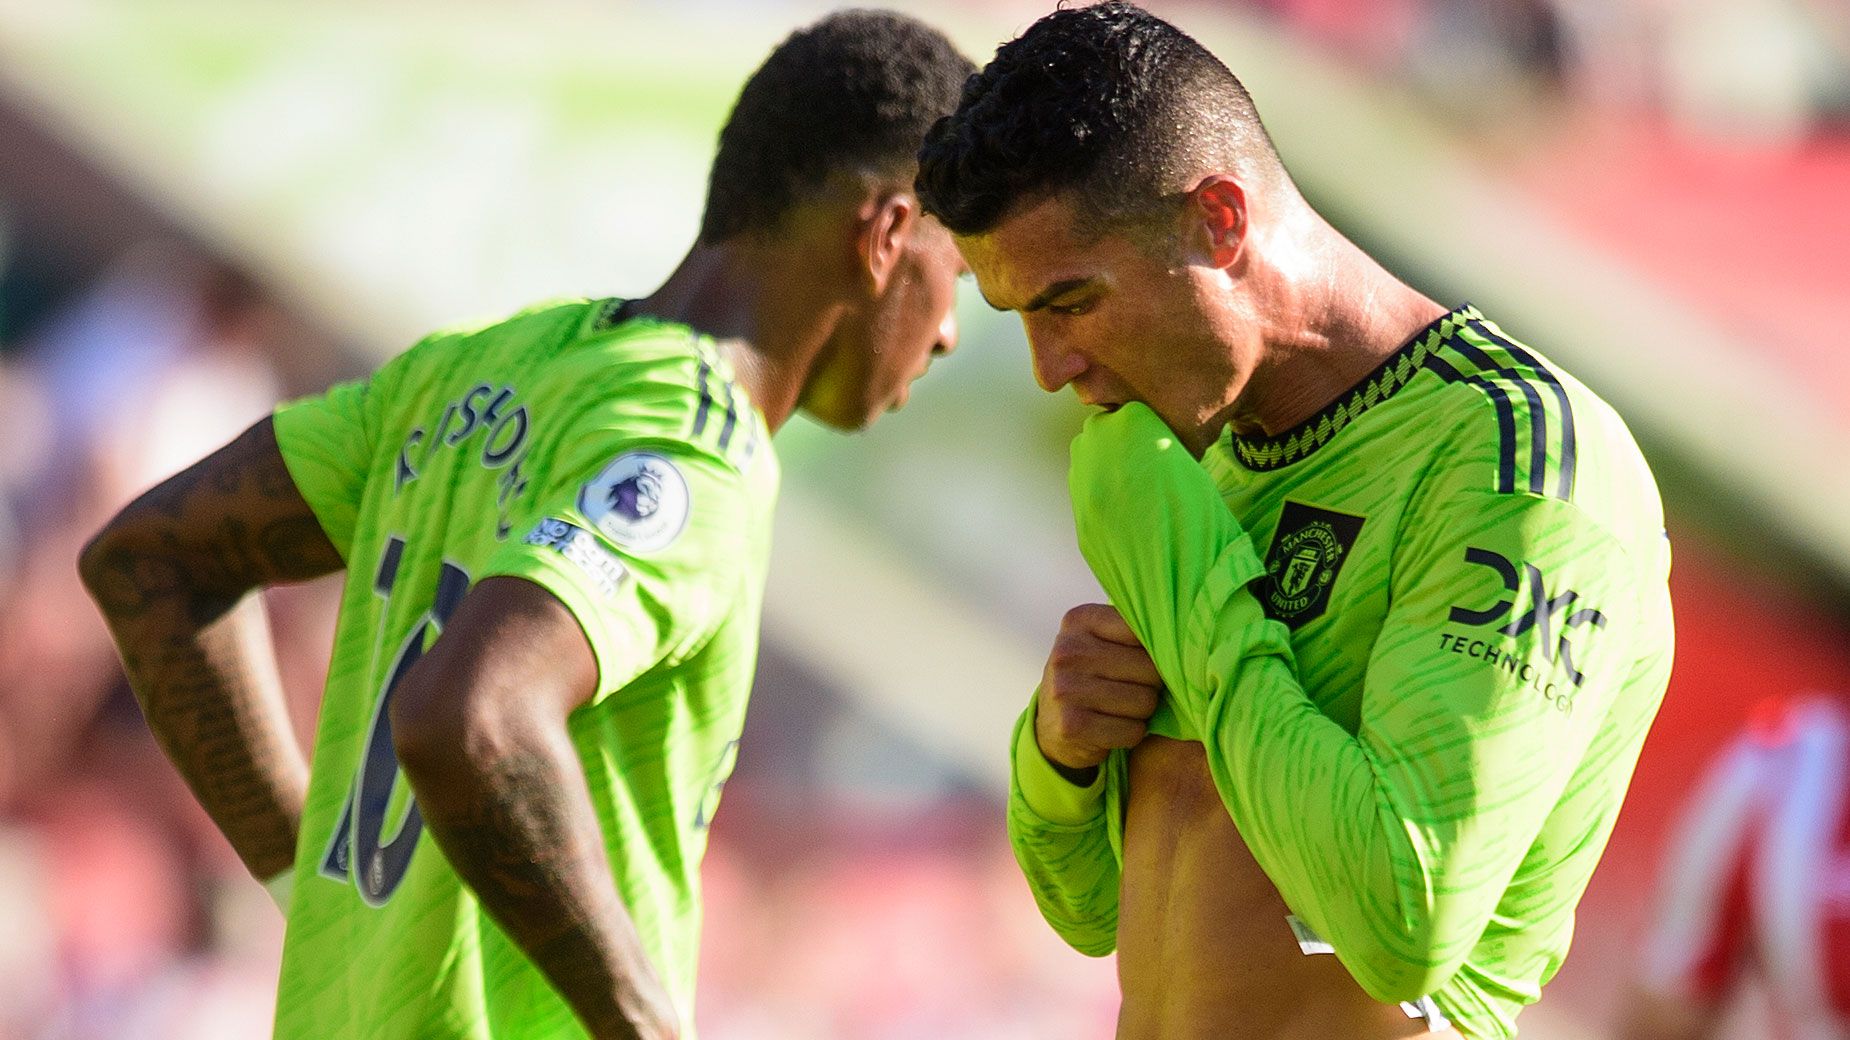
(359, 850)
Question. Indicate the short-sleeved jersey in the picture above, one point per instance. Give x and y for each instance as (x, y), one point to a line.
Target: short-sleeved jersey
(1757, 879)
(1422, 636)
(616, 464)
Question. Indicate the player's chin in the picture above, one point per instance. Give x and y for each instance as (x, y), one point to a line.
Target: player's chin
(853, 416)
(885, 403)
(850, 420)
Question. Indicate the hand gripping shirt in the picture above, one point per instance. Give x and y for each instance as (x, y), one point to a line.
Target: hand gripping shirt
(618, 465)
(1421, 635)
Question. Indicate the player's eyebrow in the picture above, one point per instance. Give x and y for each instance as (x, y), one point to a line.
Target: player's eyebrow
(1045, 296)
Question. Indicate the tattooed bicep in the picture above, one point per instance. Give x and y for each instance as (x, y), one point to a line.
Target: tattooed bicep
(229, 523)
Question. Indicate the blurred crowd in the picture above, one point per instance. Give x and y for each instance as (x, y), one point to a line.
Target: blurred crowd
(834, 918)
(1762, 69)
(125, 913)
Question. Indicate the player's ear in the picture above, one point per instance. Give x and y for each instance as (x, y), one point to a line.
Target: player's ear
(886, 222)
(1215, 221)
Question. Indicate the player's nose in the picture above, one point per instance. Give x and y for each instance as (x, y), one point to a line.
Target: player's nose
(947, 335)
(1055, 365)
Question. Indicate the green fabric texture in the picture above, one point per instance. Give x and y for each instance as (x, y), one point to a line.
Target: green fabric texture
(618, 465)
(1421, 636)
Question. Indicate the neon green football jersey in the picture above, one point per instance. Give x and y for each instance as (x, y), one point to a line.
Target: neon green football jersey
(615, 463)
(1421, 636)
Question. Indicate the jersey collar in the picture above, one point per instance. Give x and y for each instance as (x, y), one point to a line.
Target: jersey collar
(1267, 452)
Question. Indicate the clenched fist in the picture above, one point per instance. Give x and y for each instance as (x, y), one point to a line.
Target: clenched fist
(1098, 691)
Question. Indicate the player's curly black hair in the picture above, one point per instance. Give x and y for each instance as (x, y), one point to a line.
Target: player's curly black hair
(1108, 101)
(856, 90)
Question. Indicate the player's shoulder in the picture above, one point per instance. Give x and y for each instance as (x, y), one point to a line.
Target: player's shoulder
(640, 346)
(542, 320)
(588, 371)
(655, 380)
(532, 333)
(1517, 418)
(1520, 427)
(573, 352)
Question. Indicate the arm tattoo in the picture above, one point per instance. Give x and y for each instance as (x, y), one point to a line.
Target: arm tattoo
(171, 575)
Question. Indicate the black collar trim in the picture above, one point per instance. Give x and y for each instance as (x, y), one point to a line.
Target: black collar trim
(1395, 371)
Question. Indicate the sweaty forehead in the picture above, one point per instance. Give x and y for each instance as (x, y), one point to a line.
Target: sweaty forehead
(1028, 252)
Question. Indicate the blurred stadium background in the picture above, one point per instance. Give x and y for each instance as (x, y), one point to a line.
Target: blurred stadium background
(206, 206)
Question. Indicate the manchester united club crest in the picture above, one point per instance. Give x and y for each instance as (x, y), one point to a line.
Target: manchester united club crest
(1308, 550)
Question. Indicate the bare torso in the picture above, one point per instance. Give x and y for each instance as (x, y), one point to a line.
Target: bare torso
(1204, 950)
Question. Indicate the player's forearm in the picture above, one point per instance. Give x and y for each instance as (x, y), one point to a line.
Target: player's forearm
(1401, 893)
(1334, 837)
(514, 818)
(1153, 528)
(1059, 834)
(205, 674)
(1074, 878)
(1301, 789)
(172, 575)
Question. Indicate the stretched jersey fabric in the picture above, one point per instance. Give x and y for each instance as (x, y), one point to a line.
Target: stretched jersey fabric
(616, 464)
(1758, 873)
(1421, 635)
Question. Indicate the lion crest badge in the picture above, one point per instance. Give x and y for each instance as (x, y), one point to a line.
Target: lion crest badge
(639, 501)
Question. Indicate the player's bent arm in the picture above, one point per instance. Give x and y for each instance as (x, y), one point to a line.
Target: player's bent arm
(1058, 831)
(479, 727)
(1396, 843)
(172, 574)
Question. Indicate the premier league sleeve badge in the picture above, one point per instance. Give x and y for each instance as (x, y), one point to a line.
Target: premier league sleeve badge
(639, 501)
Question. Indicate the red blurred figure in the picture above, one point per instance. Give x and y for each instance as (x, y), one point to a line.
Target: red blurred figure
(1756, 887)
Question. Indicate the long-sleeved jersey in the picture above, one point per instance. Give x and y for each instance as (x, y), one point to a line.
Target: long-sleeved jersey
(1421, 636)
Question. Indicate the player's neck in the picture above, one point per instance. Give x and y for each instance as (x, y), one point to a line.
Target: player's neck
(764, 318)
(1355, 315)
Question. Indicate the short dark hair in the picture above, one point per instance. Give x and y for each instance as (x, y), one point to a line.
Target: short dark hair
(855, 91)
(1109, 101)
